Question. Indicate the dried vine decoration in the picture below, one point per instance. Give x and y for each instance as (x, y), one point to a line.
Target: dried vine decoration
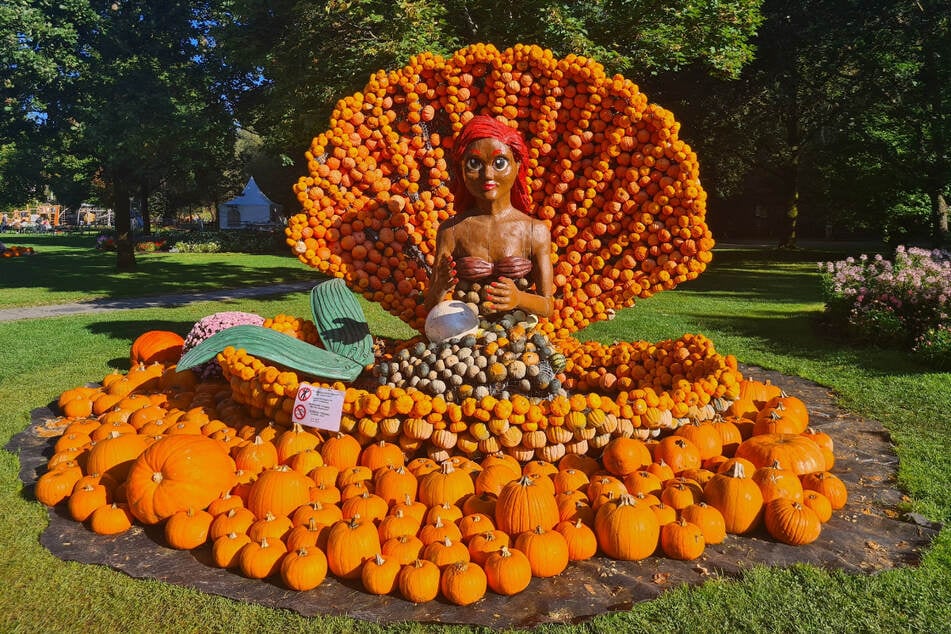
(608, 173)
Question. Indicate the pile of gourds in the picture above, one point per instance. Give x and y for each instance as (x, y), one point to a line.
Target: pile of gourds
(625, 389)
(14, 251)
(157, 446)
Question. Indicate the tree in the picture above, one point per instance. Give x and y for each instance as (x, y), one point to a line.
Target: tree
(38, 56)
(907, 110)
(765, 137)
(292, 60)
(841, 121)
(144, 103)
(120, 90)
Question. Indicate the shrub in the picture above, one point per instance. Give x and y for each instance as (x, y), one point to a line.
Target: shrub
(232, 241)
(889, 302)
(209, 246)
(106, 242)
(934, 347)
(150, 246)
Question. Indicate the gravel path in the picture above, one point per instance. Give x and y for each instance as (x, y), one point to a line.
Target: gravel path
(160, 301)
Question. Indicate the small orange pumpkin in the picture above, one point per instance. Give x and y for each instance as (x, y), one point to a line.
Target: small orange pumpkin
(508, 571)
(303, 569)
(463, 583)
(682, 540)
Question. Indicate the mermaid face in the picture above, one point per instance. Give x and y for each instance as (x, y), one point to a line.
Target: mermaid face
(489, 169)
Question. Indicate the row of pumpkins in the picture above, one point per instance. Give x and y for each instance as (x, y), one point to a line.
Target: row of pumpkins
(153, 446)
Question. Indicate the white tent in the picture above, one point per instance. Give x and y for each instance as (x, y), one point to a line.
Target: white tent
(252, 208)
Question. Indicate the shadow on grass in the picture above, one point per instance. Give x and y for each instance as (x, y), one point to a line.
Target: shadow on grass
(129, 329)
(132, 328)
(791, 287)
(88, 273)
(805, 336)
(73, 265)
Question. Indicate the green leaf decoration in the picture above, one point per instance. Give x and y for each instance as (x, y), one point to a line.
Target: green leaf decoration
(276, 347)
(340, 321)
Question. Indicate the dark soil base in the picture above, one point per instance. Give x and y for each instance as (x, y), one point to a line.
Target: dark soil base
(866, 536)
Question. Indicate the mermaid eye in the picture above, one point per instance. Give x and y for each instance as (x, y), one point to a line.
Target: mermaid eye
(472, 163)
(500, 163)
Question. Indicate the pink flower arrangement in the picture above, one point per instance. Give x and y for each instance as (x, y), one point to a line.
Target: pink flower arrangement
(890, 301)
(207, 326)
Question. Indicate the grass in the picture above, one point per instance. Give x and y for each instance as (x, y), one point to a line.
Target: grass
(755, 303)
(70, 268)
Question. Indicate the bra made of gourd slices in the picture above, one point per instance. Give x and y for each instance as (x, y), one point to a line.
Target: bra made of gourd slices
(475, 268)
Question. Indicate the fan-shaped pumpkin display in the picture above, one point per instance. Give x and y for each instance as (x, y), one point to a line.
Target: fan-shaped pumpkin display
(609, 175)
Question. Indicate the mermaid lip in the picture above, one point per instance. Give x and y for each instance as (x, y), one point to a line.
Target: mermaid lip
(489, 186)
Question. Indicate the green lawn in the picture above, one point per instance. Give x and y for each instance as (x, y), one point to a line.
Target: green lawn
(755, 303)
(70, 268)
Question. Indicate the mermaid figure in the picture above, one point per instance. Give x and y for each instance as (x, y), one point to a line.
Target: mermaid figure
(492, 254)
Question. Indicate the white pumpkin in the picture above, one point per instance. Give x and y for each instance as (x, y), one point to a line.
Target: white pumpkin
(450, 319)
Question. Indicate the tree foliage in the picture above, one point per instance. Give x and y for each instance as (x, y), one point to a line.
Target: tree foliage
(805, 114)
(38, 57)
(118, 91)
(292, 60)
(902, 126)
(840, 122)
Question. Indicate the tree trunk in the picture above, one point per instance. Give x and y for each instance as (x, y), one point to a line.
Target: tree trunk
(788, 240)
(939, 219)
(792, 218)
(146, 212)
(125, 246)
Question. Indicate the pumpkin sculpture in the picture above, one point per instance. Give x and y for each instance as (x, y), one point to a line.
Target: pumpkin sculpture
(476, 462)
(381, 171)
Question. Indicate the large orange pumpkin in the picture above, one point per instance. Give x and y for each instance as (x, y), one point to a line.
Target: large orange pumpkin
(156, 346)
(177, 472)
(524, 506)
(796, 453)
(627, 529)
(114, 455)
(279, 491)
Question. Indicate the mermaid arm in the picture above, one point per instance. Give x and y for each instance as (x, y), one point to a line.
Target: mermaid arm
(505, 296)
(444, 274)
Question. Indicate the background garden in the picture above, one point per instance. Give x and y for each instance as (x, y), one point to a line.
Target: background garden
(810, 119)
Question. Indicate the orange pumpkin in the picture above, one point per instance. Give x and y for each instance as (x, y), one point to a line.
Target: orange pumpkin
(795, 452)
(523, 505)
(508, 571)
(156, 346)
(279, 491)
(303, 569)
(627, 529)
(463, 583)
(176, 473)
(737, 497)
